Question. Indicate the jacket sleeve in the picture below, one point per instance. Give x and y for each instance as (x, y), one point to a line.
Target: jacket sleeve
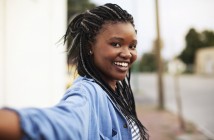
(68, 120)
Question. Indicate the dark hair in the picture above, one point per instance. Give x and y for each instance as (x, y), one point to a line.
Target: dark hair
(82, 31)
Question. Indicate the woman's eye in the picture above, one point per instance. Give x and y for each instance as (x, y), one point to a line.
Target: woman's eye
(115, 44)
(132, 47)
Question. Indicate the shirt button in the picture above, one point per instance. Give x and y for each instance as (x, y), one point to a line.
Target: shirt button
(125, 125)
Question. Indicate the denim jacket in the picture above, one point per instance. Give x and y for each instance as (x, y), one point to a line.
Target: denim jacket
(85, 113)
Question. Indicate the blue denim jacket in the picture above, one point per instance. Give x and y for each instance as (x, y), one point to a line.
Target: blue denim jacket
(85, 113)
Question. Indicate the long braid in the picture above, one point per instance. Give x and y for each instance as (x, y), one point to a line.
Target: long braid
(82, 30)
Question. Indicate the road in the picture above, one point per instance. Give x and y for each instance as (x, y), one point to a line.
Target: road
(197, 95)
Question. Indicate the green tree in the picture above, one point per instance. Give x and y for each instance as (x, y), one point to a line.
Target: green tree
(193, 42)
(207, 38)
(78, 6)
(148, 63)
(135, 66)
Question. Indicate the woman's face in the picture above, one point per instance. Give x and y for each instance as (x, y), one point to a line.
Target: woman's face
(114, 51)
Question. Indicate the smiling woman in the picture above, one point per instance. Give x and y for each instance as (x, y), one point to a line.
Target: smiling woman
(100, 103)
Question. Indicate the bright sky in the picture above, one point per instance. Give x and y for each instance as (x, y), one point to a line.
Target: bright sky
(176, 18)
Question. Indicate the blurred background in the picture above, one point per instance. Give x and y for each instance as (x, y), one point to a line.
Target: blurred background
(174, 71)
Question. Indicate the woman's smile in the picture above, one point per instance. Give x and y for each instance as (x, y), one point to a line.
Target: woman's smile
(122, 66)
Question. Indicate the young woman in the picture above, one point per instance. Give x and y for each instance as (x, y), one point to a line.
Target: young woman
(100, 103)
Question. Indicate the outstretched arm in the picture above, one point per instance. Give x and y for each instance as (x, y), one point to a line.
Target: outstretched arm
(9, 125)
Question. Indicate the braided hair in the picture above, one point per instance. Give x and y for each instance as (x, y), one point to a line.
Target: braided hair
(82, 30)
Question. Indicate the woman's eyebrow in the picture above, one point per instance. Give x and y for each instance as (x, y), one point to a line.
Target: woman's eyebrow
(116, 38)
(122, 39)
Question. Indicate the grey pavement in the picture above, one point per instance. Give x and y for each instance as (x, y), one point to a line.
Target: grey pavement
(197, 94)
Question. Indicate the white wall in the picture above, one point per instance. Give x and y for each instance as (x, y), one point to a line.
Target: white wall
(2, 64)
(33, 67)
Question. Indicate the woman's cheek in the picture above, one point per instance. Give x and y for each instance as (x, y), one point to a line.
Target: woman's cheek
(134, 56)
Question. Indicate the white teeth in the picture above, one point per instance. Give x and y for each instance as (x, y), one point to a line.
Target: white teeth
(123, 64)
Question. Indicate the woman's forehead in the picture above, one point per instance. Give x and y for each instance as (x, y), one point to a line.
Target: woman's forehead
(119, 29)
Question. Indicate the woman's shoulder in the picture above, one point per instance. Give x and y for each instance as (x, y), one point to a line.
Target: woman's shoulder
(85, 83)
(85, 86)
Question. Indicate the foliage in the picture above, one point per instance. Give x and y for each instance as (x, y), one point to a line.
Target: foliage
(194, 41)
(148, 63)
(135, 66)
(78, 6)
(207, 38)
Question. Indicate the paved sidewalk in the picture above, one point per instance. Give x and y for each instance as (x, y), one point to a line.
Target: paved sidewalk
(164, 125)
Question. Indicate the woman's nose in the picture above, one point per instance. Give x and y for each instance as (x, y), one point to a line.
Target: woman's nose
(125, 53)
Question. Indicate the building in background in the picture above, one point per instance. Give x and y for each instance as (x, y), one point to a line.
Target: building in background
(205, 61)
(32, 66)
